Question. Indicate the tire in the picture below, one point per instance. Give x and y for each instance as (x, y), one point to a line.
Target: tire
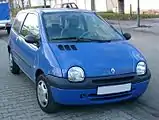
(8, 30)
(50, 106)
(14, 68)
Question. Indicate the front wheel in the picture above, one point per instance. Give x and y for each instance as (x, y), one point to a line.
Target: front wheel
(44, 95)
(14, 68)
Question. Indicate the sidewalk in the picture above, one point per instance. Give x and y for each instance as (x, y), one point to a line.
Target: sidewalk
(147, 26)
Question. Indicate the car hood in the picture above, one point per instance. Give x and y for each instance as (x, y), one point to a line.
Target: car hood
(97, 59)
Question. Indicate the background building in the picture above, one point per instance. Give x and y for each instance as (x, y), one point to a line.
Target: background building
(100, 5)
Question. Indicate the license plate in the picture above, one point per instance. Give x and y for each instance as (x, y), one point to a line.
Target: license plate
(113, 89)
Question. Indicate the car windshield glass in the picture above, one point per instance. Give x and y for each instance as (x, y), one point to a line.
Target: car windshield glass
(85, 25)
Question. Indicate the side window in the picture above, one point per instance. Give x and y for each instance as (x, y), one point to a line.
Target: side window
(30, 26)
(18, 21)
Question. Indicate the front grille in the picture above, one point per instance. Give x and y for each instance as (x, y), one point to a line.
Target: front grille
(110, 81)
(95, 97)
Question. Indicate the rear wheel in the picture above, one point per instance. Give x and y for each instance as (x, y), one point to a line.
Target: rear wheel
(44, 95)
(14, 68)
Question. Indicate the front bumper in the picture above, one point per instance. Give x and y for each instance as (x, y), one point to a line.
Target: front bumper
(89, 96)
(84, 93)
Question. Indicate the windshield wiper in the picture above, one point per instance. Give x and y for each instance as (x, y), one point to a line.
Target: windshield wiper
(93, 40)
(73, 39)
(76, 39)
(65, 38)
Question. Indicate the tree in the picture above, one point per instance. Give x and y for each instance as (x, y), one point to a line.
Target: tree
(44, 3)
(22, 2)
(29, 2)
(92, 4)
(11, 4)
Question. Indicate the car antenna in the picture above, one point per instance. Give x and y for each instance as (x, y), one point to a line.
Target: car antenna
(119, 24)
(118, 17)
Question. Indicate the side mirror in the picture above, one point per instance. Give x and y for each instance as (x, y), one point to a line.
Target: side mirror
(30, 39)
(127, 36)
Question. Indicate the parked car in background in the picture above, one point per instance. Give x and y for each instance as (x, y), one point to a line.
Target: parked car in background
(67, 5)
(75, 57)
(5, 18)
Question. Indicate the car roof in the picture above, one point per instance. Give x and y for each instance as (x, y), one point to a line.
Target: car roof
(47, 10)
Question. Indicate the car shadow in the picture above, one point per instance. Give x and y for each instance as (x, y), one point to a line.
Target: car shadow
(105, 106)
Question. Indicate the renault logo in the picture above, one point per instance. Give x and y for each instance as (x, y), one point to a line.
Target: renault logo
(112, 70)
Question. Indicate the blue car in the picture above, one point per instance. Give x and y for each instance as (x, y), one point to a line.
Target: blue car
(75, 57)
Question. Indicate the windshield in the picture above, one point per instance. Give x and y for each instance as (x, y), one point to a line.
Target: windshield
(80, 25)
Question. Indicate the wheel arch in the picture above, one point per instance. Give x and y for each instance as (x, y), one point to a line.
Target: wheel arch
(38, 72)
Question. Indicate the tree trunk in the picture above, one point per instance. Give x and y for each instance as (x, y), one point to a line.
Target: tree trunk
(121, 6)
(50, 3)
(29, 3)
(93, 5)
(22, 1)
(44, 3)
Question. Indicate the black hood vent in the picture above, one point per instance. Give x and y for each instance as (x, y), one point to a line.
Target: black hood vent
(67, 47)
(73, 47)
(61, 47)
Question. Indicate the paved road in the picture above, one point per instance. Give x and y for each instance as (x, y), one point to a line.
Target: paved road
(147, 25)
(18, 101)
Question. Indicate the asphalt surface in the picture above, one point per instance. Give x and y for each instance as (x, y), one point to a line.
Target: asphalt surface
(18, 100)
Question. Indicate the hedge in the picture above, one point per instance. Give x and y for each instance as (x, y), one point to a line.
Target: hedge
(116, 16)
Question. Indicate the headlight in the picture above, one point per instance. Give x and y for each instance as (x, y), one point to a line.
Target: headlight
(76, 74)
(141, 68)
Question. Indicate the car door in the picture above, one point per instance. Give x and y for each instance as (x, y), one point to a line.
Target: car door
(28, 51)
(13, 37)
